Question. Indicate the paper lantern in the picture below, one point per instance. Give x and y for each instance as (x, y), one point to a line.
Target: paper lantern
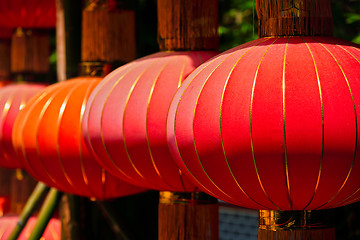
(7, 224)
(125, 121)
(13, 98)
(28, 14)
(272, 124)
(47, 135)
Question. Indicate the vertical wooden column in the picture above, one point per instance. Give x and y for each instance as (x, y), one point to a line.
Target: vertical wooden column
(108, 37)
(284, 225)
(188, 25)
(190, 216)
(5, 59)
(30, 51)
(294, 18)
(5, 175)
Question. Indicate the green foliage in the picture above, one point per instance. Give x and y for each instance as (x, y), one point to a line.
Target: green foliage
(238, 21)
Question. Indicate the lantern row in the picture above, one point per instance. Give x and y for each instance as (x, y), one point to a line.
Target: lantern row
(270, 124)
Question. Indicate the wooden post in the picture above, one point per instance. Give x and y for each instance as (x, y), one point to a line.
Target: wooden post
(188, 25)
(190, 216)
(5, 59)
(108, 37)
(4, 190)
(294, 18)
(285, 225)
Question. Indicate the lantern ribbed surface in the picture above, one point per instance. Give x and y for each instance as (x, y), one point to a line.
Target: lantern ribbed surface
(28, 14)
(125, 119)
(8, 223)
(13, 98)
(273, 124)
(47, 135)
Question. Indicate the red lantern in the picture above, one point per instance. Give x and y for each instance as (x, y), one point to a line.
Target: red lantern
(125, 119)
(12, 99)
(48, 136)
(28, 14)
(125, 122)
(273, 124)
(6, 33)
(8, 223)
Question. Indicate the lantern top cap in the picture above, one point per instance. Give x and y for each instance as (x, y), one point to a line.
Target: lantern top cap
(294, 18)
(188, 25)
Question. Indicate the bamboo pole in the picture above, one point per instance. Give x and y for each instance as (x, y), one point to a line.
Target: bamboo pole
(51, 203)
(30, 206)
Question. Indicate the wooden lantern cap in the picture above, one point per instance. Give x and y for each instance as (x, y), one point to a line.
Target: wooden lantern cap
(188, 25)
(30, 51)
(294, 18)
(108, 33)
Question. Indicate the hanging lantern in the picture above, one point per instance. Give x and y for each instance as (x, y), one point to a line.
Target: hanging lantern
(7, 223)
(272, 124)
(28, 14)
(13, 98)
(125, 119)
(47, 136)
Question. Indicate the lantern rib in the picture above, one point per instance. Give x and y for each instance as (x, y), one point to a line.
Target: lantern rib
(21, 125)
(90, 102)
(356, 126)
(60, 116)
(343, 203)
(251, 135)
(202, 87)
(82, 167)
(102, 119)
(123, 122)
(221, 133)
(183, 69)
(5, 112)
(174, 127)
(322, 125)
(147, 111)
(103, 181)
(43, 110)
(284, 128)
(181, 179)
(358, 188)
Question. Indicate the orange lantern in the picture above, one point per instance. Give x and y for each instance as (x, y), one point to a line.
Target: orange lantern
(47, 136)
(272, 124)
